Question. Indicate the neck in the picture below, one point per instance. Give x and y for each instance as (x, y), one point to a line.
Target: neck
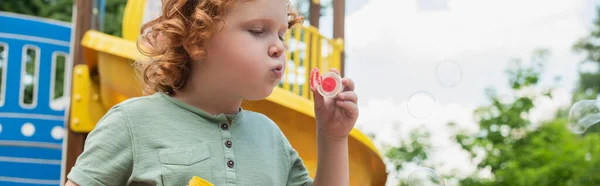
(214, 100)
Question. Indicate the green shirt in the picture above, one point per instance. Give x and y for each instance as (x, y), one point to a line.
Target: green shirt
(158, 140)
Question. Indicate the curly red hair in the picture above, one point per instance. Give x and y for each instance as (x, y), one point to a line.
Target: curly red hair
(177, 36)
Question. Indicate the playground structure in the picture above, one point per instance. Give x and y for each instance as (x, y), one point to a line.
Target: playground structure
(31, 114)
(106, 78)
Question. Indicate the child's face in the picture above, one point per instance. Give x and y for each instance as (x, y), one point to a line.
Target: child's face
(248, 55)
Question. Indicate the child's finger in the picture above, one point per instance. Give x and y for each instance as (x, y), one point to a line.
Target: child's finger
(318, 98)
(319, 101)
(348, 84)
(349, 108)
(335, 71)
(313, 78)
(347, 96)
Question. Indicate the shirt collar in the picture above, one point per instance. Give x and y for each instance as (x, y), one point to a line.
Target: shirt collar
(222, 117)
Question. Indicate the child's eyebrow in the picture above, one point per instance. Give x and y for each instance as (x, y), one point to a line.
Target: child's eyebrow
(266, 21)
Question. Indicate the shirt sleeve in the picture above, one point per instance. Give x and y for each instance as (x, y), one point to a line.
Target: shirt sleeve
(298, 175)
(107, 158)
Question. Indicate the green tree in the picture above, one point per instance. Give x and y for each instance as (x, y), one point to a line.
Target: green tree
(62, 10)
(518, 153)
(303, 7)
(30, 69)
(2, 67)
(113, 19)
(54, 9)
(588, 86)
(59, 76)
(414, 150)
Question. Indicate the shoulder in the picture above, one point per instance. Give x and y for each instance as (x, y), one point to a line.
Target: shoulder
(263, 123)
(259, 119)
(124, 114)
(256, 116)
(141, 103)
(142, 106)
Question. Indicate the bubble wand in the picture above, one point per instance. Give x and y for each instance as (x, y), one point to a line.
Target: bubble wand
(328, 85)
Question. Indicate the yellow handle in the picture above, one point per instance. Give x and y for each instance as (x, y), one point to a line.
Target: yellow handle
(197, 181)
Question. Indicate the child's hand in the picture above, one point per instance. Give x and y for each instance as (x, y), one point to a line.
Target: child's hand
(336, 116)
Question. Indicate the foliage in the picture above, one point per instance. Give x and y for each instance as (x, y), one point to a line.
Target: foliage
(588, 86)
(54, 9)
(519, 153)
(303, 7)
(62, 10)
(515, 150)
(414, 150)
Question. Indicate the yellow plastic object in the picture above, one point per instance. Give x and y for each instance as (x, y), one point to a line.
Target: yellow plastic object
(86, 108)
(132, 19)
(340, 43)
(120, 55)
(197, 181)
(108, 78)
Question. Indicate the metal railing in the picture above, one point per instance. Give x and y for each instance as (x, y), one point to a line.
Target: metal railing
(307, 49)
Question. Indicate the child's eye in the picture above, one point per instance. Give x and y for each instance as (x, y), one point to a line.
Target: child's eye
(256, 32)
(281, 38)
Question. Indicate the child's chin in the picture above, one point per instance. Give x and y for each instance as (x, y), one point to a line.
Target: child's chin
(260, 95)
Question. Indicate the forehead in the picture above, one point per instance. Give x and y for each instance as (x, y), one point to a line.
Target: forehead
(259, 9)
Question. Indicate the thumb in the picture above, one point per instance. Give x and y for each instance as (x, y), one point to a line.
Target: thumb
(319, 101)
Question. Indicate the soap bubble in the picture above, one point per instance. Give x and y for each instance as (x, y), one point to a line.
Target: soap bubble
(448, 73)
(583, 115)
(425, 177)
(421, 104)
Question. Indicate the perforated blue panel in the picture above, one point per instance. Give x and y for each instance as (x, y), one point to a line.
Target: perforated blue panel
(31, 135)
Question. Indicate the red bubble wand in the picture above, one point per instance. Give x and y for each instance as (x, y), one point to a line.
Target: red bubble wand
(328, 85)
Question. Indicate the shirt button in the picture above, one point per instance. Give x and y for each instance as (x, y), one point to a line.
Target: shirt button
(228, 144)
(224, 126)
(230, 164)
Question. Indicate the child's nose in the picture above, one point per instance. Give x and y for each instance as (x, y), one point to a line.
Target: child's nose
(276, 50)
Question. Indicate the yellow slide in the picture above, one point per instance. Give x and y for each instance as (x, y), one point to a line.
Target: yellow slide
(99, 84)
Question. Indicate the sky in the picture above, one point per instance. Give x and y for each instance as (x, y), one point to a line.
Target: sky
(422, 63)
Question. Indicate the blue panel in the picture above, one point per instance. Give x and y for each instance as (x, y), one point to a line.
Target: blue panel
(7, 183)
(32, 26)
(30, 152)
(14, 75)
(30, 170)
(31, 160)
(44, 75)
(11, 130)
(11, 101)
